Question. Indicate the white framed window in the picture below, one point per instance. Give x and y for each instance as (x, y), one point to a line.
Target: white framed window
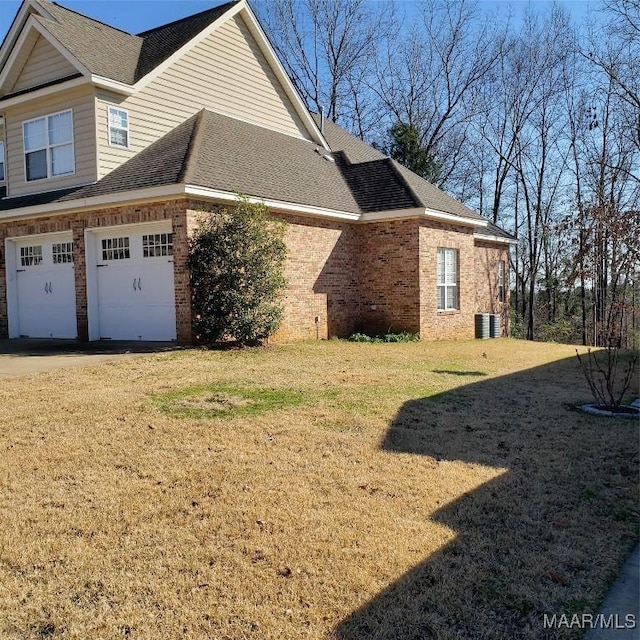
(501, 289)
(447, 279)
(62, 252)
(48, 146)
(1, 161)
(118, 127)
(115, 248)
(157, 245)
(31, 256)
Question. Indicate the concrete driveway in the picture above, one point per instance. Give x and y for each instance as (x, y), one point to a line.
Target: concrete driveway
(21, 356)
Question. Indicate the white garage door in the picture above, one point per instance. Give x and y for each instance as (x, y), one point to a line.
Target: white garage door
(135, 288)
(45, 287)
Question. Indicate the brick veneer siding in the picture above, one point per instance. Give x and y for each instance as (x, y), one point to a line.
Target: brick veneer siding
(372, 277)
(173, 210)
(322, 279)
(446, 325)
(321, 273)
(389, 276)
(487, 257)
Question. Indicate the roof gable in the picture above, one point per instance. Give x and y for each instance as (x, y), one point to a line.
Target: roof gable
(125, 62)
(43, 64)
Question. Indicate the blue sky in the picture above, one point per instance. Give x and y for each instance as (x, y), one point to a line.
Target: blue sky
(138, 15)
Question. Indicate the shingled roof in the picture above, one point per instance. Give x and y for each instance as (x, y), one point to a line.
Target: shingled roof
(375, 185)
(218, 152)
(117, 55)
(417, 190)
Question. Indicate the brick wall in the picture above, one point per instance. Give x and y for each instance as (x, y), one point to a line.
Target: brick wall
(320, 272)
(340, 277)
(487, 257)
(389, 276)
(446, 325)
(322, 279)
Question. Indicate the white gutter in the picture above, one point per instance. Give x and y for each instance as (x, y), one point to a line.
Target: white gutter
(397, 214)
(113, 85)
(450, 217)
(154, 194)
(490, 238)
(45, 91)
(278, 205)
(95, 202)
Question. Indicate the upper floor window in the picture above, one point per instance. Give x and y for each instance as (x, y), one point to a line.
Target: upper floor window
(48, 146)
(447, 279)
(1, 161)
(118, 127)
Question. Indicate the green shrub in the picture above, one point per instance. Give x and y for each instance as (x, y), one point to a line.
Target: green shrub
(236, 260)
(558, 331)
(403, 336)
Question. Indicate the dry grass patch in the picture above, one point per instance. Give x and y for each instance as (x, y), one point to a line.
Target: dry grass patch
(419, 490)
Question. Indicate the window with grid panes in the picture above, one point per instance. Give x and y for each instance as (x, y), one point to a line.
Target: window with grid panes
(62, 252)
(447, 279)
(157, 244)
(118, 127)
(115, 248)
(31, 256)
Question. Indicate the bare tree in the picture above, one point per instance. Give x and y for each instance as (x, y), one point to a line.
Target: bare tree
(432, 78)
(541, 150)
(329, 48)
(618, 56)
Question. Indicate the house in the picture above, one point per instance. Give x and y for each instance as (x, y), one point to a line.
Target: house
(112, 144)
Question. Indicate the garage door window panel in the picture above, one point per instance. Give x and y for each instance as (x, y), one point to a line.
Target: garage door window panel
(31, 256)
(116, 248)
(62, 253)
(157, 245)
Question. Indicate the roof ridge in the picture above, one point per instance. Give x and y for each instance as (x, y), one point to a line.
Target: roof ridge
(143, 34)
(416, 198)
(86, 17)
(195, 142)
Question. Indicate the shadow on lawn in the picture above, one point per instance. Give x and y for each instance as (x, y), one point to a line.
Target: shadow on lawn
(547, 535)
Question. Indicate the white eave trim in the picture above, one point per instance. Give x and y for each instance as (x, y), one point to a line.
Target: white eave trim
(450, 217)
(45, 91)
(95, 202)
(276, 205)
(396, 214)
(490, 238)
(154, 194)
(17, 26)
(33, 24)
(113, 85)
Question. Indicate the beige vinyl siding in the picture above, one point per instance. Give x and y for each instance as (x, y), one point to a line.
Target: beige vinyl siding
(226, 72)
(81, 101)
(21, 58)
(44, 64)
(110, 156)
(3, 159)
